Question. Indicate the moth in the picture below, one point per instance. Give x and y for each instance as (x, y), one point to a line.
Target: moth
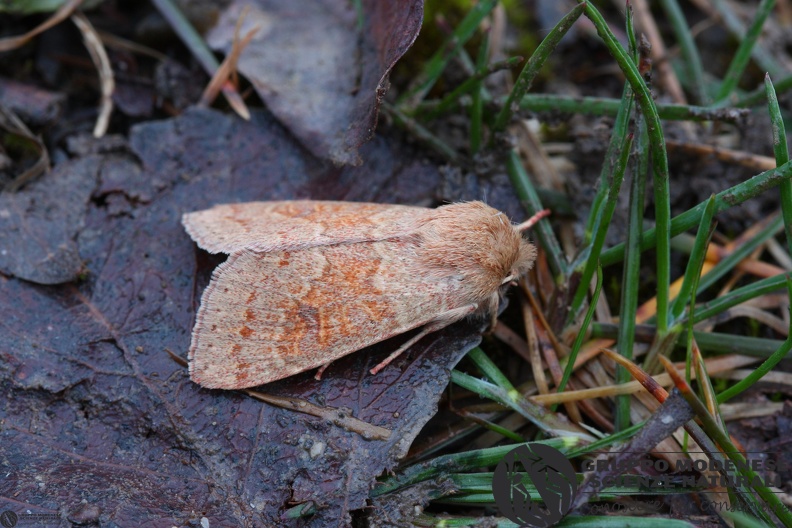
(308, 282)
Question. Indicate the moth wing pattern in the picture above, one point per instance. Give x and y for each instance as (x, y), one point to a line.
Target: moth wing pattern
(270, 226)
(266, 316)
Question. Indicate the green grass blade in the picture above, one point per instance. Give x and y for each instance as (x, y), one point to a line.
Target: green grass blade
(721, 438)
(631, 275)
(530, 200)
(570, 521)
(546, 421)
(572, 357)
(435, 66)
(602, 443)
(781, 155)
(690, 54)
(759, 95)
(734, 25)
(643, 97)
(477, 109)
(629, 27)
(711, 342)
(422, 134)
(743, 520)
(188, 35)
(690, 289)
(723, 200)
(600, 106)
(766, 366)
(431, 110)
(601, 230)
(695, 261)
(728, 264)
(618, 137)
(457, 462)
(306, 509)
(629, 298)
(716, 343)
(743, 54)
(489, 369)
(505, 432)
(534, 64)
(738, 296)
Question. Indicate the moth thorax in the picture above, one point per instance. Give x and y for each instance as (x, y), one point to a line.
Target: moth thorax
(480, 243)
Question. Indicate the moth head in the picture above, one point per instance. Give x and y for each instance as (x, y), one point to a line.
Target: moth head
(480, 244)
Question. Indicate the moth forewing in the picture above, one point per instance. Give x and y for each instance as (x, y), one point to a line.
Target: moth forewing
(270, 226)
(266, 316)
(302, 302)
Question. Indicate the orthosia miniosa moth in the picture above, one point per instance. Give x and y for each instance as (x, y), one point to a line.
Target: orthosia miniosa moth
(308, 282)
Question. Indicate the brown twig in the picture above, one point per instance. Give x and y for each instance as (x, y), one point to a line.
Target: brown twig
(11, 43)
(102, 62)
(667, 77)
(226, 73)
(12, 124)
(335, 416)
(717, 365)
(746, 159)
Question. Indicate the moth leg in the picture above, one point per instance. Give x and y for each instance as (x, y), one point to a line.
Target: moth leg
(443, 320)
(493, 322)
(494, 302)
(321, 370)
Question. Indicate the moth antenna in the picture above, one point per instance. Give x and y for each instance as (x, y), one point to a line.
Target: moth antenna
(528, 224)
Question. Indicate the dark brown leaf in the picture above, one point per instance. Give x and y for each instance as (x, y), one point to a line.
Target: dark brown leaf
(98, 422)
(38, 223)
(34, 105)
(321, 74)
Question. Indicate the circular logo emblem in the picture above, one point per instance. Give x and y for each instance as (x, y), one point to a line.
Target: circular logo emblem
(534, 485)
(8, 519)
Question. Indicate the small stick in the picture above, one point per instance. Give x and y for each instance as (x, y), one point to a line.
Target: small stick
(331, 414)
